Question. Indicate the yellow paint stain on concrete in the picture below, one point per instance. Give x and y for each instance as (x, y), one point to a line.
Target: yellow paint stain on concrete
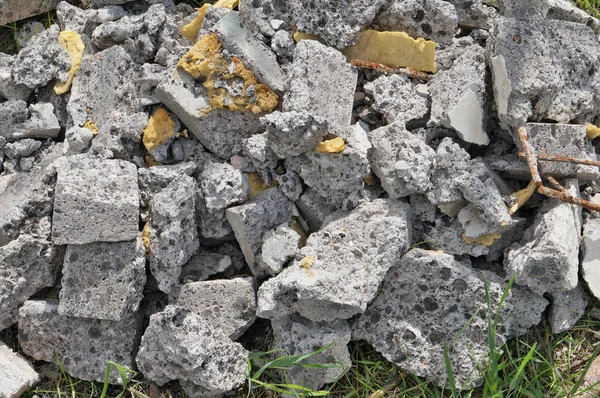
(159, 129)
(334, 145)
(204, 61)
(306, 264)
(146, 238)
(257, 184)
(393, 49)
(71, 42)
(592, 131)
(90, 125)
(485, 240)
(522, 197)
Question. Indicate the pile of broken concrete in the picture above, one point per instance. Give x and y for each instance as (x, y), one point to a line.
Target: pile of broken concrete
(169, 175)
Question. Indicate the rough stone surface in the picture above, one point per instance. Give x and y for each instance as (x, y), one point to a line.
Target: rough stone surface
(339, 270)
(21, 148)
(450, 160)
(228, 305)
(173, 232)
(548, 261)
(401, 160)
(446, 234)
(83, 345)
(299, 336)
(223, 186)
(11, 11)
(567, 307)
(256, 217)
(426, 300)
(16, 374)
(27, 265)
(212, 225)
(279, 246)
(96, 200)
(590, 265)
(397, 98)
(181, 345)
(112, 273)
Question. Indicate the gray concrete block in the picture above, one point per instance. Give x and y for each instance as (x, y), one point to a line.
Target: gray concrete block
(203, 264)
(411, 320)
(103, 280)
(27, 266)
(567, 307)
(474, 13)
(590, 264)
(299, 336)
(257, 150)
(290, 184)
(548, 258)
(173, 232)
(322, 84)
(223, 186)
(83, 345)
(227, 305)
(339, 270)
(293, 133)
(397, 98)
(279, 246)
(402, 161)
(251, 220)
(180, 345)
(96, 200)
(256, 56)
(16, 373)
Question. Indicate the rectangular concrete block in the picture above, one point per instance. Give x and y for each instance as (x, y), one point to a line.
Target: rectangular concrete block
(16, 374)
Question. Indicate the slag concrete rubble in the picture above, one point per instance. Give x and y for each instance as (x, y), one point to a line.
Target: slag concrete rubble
(168, 176)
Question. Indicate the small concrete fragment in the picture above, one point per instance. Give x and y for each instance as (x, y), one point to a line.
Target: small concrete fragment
(181, 345)
(401, 160)
(173, 232)
(450, 160)
(16, 374)
(21, 148)
(339, 270)
(228, 305)
(426, 300)
(112, 273)
(446, 235)
(397, 98)
(223, 186)
(300, 336)
(96, 200)
(256, 217)
(548, 261)
(83, 345)
(258, 15)
(567, 307)
(211, 224)
(590, 265)
(279, 246)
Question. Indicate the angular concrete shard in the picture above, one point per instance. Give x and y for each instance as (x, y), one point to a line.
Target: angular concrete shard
(298, 335)
(397, 98)
(474, 13)
(562, 90)
(103, 280)
(567, 307)
(96, 200)
(181, 345)
(27, 265)
(223, 186)
(251, 220)
(212, 225)
(83, 345)
(425, 301)
(467, 119)
(173, 232)
(401, 160)
(16, 374)
(322, 84)
(502, 86)
(227, 305)
(339, 270)
(548, 261)
(590, 265)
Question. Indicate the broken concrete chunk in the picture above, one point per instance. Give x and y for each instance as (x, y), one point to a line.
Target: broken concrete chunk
(590, 265)
(112, 273)
(397, 98)
(223, 186)
(339, 270)
(202, 265)
(42, 61)
(257, 150)
(401, 160)
(297, 336)
(410, 321)
(96, 200)
(227, 305)
(279, 246)
(16, 374)
(433, 20)
(82, 345)
(446, 235)
(322, 84)
(181, 345)
(11, 11)
(567, 307)
(474, 13)
(256, 217)
(28, 265)
(293, 133)
(160, 133)
(548, 261)
(173, 233)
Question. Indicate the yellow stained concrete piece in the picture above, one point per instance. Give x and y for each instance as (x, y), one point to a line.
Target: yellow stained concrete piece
(335, 145)
(306, 263)
(486, 240)
(522, 197)
(71, 42)
(92, 127)
(159, 129)
(257, 184)
(146, 238)
(204, 61)
(393, 49)
(592, 131)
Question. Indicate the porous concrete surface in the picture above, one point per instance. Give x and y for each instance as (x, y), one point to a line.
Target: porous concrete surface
(16, 374)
